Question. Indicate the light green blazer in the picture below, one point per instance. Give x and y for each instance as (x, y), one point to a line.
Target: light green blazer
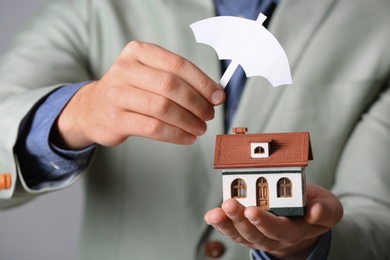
(146, 199)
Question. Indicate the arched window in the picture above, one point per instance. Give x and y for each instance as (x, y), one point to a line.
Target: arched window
(284, 188)
(238, 188)
(259, 150)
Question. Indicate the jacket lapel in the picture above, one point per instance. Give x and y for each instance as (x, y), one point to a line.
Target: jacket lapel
(294, 24)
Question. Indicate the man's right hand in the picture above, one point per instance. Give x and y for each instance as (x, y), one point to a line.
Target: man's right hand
(148, 92)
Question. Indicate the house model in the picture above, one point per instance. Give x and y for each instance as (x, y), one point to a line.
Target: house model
(265, 170)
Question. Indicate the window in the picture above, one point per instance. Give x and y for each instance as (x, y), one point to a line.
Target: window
(284, 188)
(238, 188)
(260, 150)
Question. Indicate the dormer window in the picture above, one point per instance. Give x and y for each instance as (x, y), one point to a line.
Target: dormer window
(260, 150)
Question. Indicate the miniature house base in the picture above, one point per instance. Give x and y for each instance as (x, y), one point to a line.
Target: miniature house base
(265, 170)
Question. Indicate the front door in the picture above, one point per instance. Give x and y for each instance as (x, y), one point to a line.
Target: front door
(262, 193)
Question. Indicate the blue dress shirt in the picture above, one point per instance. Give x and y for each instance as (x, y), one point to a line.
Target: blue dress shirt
(45, 165)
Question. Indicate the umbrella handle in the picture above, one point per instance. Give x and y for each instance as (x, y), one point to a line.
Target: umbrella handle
(227, 75)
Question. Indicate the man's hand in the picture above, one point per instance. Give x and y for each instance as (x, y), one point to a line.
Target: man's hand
(147, 92)
(279, 236)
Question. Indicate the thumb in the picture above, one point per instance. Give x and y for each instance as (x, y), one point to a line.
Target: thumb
(323, 207)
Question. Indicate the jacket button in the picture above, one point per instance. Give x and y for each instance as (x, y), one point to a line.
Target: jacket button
(5, 181)
(214, 249)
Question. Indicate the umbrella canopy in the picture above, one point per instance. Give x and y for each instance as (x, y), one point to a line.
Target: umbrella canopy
(247, 43)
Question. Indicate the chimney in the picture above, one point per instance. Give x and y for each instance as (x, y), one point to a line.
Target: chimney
(240, 130)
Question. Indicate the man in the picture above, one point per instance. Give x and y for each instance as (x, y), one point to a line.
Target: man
(84, 82)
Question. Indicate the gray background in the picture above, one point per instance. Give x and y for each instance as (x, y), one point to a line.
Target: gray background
(48, 227)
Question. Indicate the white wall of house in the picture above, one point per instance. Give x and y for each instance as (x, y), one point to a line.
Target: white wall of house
(297, 199)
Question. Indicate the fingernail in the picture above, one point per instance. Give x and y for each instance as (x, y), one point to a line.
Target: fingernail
(217, 97)
(189, 139)
(210, 114)
(201, 129)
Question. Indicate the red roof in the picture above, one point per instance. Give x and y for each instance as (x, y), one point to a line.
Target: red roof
(286, 149)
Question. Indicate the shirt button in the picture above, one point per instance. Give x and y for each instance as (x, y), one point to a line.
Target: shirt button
(5, 181)
(214, 249)
(55, 165)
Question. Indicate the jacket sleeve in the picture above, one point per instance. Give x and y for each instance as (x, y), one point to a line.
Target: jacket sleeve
(50, 52)
(362, 184)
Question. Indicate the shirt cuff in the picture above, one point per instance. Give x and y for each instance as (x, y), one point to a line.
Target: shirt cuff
(42, 164)
(319, 252)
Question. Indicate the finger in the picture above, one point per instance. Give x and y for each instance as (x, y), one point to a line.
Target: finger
(134, 124)
(235, 211)
(272, 226)
(162, 59)
(282, 229)
(323, 207)
(163, 109)
(324, 213)
(171, 87)
(221, 222)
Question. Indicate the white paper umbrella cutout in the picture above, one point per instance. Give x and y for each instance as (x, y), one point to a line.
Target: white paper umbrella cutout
(247, 43)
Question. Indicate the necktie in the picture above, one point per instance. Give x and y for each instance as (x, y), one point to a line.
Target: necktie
(249, 9)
